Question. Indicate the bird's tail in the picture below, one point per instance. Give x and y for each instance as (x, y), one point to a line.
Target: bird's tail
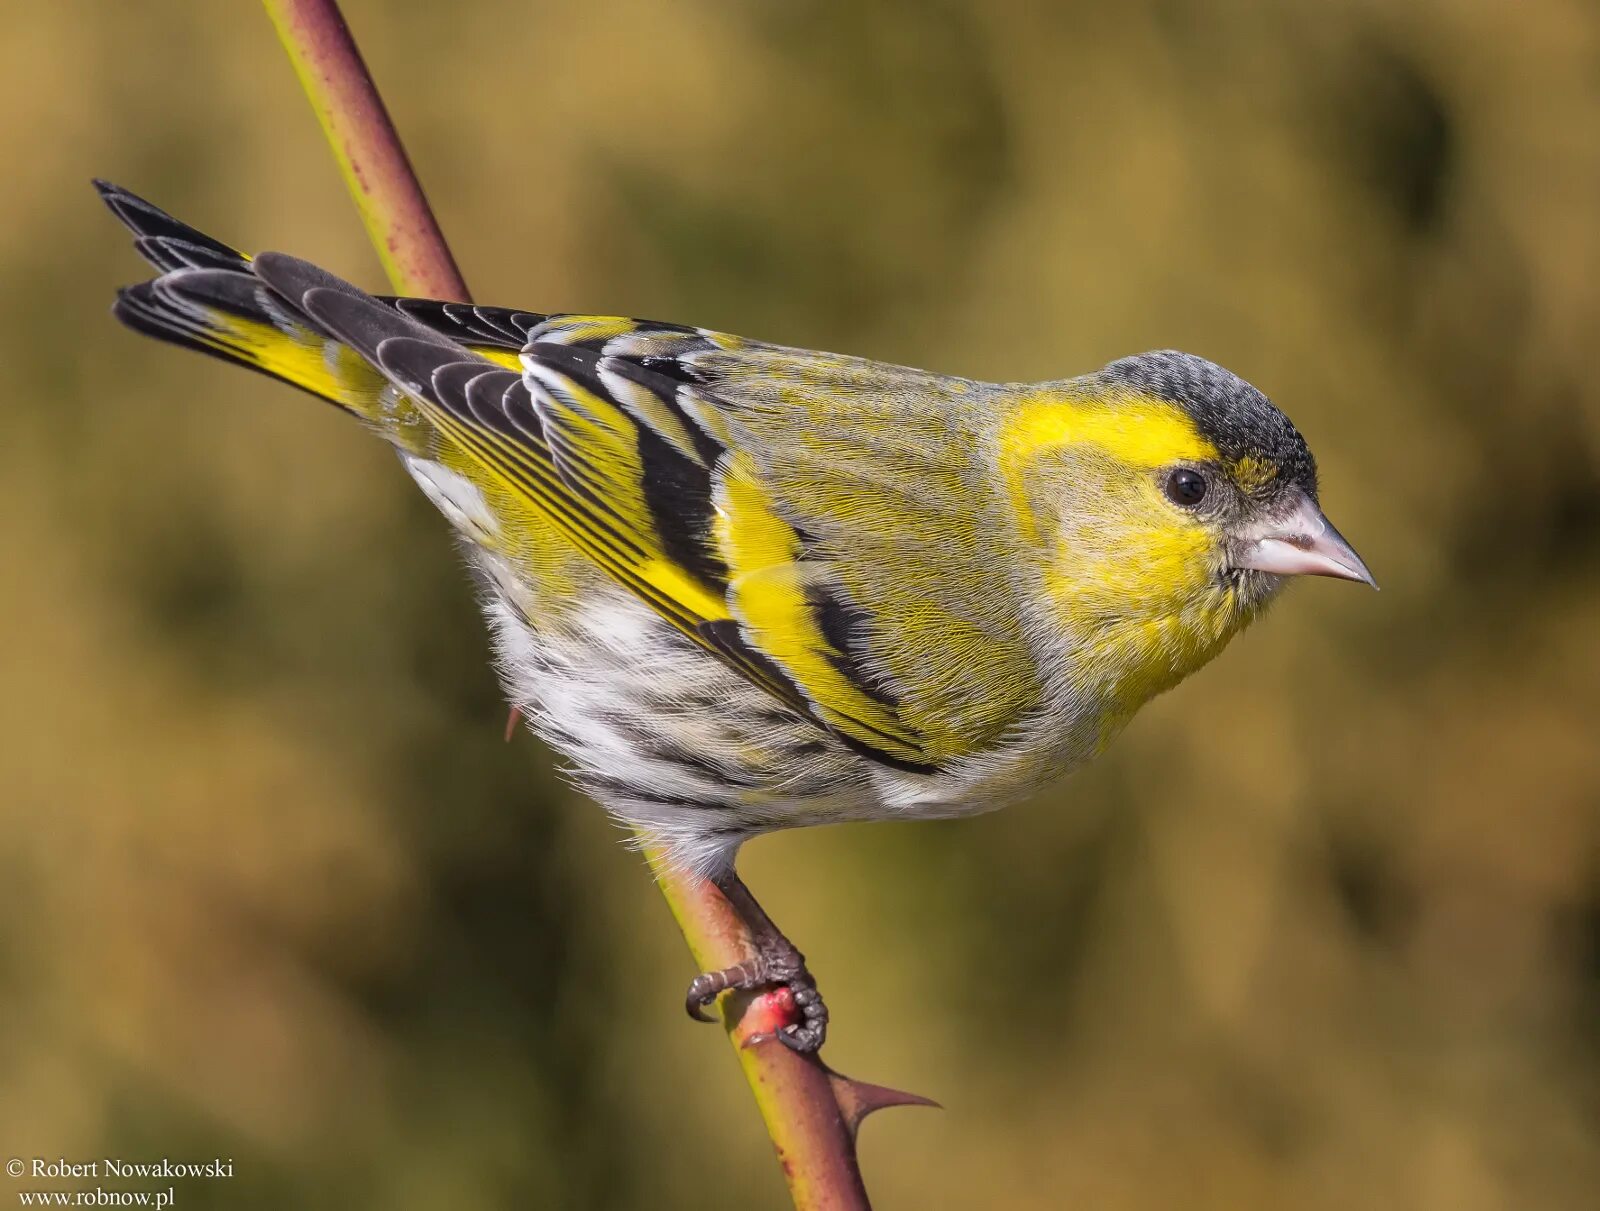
(207, 297)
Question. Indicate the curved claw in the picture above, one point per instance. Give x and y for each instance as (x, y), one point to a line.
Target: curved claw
(703, 990)
(805, 1036)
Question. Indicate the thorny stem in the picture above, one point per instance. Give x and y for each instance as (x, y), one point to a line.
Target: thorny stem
(811, 1113)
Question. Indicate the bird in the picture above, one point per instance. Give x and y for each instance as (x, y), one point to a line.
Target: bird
(740, 587)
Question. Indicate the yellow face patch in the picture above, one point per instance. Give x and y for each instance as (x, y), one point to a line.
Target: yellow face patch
(1136, 431)
(1141, 431)
(1131, 576)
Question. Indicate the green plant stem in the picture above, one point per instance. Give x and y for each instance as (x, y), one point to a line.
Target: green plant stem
(811, 1113)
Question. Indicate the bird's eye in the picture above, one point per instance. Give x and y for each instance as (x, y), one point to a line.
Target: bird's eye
(1186, 487)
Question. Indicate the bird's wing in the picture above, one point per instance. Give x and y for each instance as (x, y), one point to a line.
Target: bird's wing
(838, 507)
(658, 469)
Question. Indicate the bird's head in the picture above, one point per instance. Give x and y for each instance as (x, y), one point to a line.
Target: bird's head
(1168, 500)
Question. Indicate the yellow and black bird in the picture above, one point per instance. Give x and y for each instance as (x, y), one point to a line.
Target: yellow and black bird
(742, 587)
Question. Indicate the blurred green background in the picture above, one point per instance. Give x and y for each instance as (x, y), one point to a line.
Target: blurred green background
(1322, 931)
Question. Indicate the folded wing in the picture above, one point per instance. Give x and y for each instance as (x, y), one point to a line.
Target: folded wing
(609, 432)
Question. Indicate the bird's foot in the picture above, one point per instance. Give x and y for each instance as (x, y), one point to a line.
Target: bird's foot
(777, 965)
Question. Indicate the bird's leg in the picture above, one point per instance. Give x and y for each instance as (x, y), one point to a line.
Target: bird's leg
(775, 964)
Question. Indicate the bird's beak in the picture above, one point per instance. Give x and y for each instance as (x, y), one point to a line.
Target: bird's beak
(1302, 543)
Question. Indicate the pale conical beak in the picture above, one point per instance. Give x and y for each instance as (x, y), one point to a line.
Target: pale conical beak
(1302, 544)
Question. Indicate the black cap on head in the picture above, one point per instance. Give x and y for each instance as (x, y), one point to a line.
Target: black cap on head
(1229, 413)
